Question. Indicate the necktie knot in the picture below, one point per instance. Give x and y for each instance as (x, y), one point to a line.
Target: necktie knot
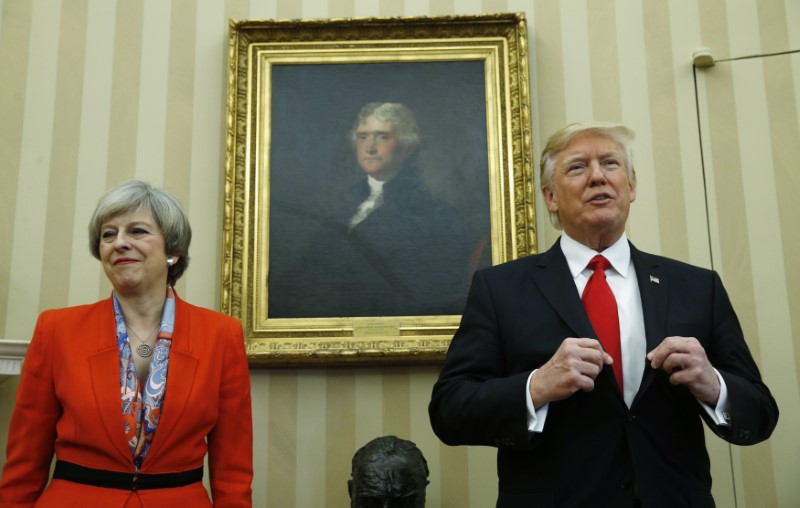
(599, 263)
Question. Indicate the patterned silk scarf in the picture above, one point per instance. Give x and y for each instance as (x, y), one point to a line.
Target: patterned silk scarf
(141, 406)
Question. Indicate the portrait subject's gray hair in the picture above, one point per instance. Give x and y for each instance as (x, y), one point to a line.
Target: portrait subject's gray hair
(163, 207)
(620, 134)
(402, 118)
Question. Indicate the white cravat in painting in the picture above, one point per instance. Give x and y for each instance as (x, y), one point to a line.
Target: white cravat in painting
(372, 203)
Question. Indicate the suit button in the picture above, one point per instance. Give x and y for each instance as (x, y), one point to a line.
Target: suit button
(631, 417)
(625, 484)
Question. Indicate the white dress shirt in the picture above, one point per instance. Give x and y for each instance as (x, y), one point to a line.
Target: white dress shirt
(621, 277)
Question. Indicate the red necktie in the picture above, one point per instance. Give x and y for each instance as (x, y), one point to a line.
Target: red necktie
(601, 307)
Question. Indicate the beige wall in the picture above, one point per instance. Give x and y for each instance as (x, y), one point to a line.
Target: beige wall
(96, 91)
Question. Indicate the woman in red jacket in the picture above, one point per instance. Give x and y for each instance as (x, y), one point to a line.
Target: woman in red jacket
(131, 393)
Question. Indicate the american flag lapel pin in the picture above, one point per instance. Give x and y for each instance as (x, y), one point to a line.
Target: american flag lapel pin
(654, 280)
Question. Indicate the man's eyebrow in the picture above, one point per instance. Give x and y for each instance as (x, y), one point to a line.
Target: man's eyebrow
(610, 153)
(376, 131)
(578, 157)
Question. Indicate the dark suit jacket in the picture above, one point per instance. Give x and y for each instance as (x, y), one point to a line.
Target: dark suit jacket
(594, 451)
(68, 403)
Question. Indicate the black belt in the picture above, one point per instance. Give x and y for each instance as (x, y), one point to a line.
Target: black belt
(124, 481)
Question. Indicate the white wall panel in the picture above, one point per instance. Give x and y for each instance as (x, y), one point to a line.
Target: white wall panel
(37, 131)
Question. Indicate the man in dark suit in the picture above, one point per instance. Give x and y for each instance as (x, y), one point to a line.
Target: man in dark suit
(592, 377)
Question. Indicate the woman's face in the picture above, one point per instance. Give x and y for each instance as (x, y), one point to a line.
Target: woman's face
(132, 253)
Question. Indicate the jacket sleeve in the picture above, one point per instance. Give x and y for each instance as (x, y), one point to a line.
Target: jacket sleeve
(476, 401)
(753, 410)
(31, 435)
(230, 443)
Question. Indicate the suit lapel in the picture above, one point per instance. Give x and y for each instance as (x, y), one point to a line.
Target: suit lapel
(180, 377)
(654, 291)
(555, 282)
(104, 368)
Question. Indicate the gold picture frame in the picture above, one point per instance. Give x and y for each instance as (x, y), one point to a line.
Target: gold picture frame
(288, 80)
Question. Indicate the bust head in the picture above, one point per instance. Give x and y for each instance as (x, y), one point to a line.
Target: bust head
(388, 472)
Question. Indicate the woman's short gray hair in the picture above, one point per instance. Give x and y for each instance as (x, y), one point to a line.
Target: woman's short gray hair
(165, 209)
(620, 134)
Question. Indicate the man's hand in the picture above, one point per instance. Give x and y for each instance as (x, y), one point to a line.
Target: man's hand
(685, 360)
(573, 367)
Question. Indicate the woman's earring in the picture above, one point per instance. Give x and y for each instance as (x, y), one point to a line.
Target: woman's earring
(170, 261)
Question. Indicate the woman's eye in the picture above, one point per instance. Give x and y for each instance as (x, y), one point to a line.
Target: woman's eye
(107, 235)
(138, 231)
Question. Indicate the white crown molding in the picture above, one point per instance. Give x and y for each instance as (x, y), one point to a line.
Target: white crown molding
(12, 352)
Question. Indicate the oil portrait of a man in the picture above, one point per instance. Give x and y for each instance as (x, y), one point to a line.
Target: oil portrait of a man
(399, 225)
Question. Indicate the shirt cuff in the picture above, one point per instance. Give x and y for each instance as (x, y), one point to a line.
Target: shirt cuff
(536, 418)
(721, 414)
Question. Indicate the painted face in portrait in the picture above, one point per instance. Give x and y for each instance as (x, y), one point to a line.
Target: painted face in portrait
(378, 148)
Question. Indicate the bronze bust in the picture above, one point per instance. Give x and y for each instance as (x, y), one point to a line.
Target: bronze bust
(388, 472)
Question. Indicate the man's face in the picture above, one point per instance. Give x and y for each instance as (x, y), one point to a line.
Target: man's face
(590, 190)
(377, 148)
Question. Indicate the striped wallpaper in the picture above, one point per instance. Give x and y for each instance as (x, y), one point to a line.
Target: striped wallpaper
(96, 91)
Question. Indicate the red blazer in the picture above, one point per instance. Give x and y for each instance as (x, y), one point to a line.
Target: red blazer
(68, 403)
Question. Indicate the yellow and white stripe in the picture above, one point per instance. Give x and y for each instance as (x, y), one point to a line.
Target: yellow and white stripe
(98, 91)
